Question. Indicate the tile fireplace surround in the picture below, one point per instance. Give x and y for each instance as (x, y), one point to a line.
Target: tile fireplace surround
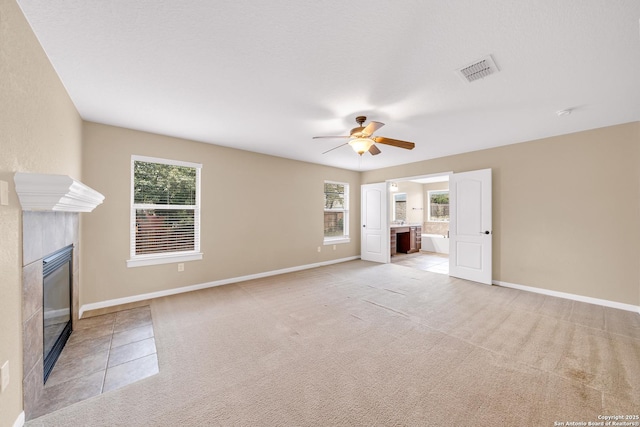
(42, 234)
(51, 206)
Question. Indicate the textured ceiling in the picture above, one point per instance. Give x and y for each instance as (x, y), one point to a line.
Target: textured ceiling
(268, 76)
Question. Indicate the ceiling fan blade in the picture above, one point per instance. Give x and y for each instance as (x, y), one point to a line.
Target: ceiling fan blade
(341, 145)
(333, 137)
(371, 128)
(374, 150)
(395, 142)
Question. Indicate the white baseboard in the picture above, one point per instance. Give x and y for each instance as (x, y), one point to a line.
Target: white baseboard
(174, 291)
(597, 301)
(19, 422)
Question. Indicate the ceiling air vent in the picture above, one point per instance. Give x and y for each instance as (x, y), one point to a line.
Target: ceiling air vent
(478, 70)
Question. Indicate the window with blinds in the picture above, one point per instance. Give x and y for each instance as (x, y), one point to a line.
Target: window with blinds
(336, 212)
(165, 211)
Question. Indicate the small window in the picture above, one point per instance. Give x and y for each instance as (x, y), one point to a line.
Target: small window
(165, 211)
(336, 212)
(438, 206)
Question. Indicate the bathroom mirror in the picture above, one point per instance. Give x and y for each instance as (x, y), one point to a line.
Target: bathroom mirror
(400, 207)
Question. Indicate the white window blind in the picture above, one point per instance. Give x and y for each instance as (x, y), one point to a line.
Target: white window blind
(165, 211)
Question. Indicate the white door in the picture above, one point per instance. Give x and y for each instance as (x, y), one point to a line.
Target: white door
(470, 226)
(374, 237)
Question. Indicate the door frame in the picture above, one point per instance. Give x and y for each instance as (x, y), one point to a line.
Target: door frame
(389, 197)
(408, 178)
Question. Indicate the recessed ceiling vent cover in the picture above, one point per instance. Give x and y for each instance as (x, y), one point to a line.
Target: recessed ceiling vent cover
(478, 70)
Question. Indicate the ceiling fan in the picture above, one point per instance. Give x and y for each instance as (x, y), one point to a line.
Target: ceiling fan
(362, 139)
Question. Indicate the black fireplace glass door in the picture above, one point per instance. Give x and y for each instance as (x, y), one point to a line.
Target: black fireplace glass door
(57, 312)
(57, 277)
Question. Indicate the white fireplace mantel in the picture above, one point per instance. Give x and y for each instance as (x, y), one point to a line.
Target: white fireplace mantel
(48, 192)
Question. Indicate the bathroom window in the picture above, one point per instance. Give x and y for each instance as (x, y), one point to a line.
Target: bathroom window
(438, 205)
(336, 212)
(165, 211)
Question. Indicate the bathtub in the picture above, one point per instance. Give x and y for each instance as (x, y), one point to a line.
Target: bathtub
(435, 243)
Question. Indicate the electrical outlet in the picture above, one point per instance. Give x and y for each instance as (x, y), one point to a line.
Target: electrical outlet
(334, 247)
(4, 376)
(181, 266)
(319, 248)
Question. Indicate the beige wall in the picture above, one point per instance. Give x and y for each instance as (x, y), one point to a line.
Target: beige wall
(573, 247)
(40, 131)
(259, 214)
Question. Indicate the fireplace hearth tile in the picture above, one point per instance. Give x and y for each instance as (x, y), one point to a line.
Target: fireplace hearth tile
(91, 333)
(90, 364)
(92, 322)
(130, 372)
(69, 392)
(134, 318)
(69, 368)
(73, 352)
(132, 335)
(128, 352)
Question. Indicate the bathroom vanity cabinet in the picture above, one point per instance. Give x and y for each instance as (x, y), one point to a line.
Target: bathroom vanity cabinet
(405, 239)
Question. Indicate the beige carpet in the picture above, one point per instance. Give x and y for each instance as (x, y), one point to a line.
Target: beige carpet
(366, 344)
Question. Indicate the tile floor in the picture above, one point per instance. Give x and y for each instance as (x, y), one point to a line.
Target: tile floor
(103, 353)
(426, 261)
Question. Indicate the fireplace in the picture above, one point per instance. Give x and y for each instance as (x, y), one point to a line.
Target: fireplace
(51, 206)
(57, 282)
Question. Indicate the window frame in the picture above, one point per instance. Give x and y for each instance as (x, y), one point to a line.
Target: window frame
(429, 193)
(334, 240)
(166, 257)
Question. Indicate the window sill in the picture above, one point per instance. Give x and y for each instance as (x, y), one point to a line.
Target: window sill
(163, 259)
(336, 241)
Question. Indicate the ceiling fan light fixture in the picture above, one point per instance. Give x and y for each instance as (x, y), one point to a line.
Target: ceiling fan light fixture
(361, 145)
(361, 139)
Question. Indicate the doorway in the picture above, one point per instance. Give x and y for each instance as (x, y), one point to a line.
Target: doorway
(470, 223)
(421, 202)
